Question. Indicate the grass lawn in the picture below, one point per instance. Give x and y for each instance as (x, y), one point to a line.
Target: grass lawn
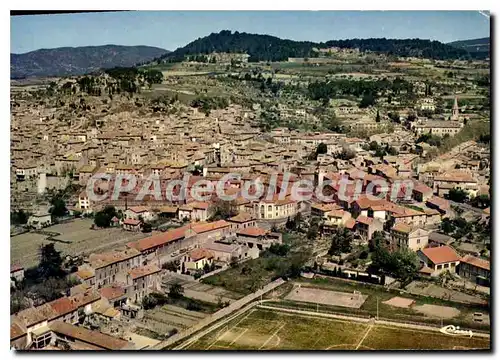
(261, 329)
(248, 276)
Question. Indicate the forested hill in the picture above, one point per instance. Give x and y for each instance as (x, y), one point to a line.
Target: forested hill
(403, 47)
(79, 60)
(259, 47)
(474, 46)
(271, 48)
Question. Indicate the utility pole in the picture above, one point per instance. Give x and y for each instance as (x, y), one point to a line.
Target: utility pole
(377, 307)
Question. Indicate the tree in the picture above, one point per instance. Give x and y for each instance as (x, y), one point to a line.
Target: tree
(221, 209)
(341, 241)
(50, 264)
(367, 100)
(103, 218)
(447, 226)
(58, 207)
(234, 261)
(346, 154)
(321, 149)
(19, 217)
(146, 227)
(171, 265)
(294, 224)
(279, 249)
(176, 291)
(403, 264)
(18, 302)
(377, 118)
(458, 195)
(312, 232)
(377, 240)
(406, 265)
(481, 201)
(149, 302)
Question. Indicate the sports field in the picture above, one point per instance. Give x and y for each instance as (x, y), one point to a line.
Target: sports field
(263, 329)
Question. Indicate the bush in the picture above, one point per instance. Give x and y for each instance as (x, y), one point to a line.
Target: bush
(363, 255)
(193, 306)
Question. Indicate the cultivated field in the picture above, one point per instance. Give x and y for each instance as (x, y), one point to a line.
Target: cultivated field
(74, 238)
(261, 329)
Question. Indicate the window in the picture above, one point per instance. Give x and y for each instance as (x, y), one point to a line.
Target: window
(446, 266)
(418, 241)
(439, 267)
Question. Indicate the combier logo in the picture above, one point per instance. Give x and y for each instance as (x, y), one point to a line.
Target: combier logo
(455, 330)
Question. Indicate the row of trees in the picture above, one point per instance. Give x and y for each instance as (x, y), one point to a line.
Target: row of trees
(207, 103)
(367, 89)
(381, 151)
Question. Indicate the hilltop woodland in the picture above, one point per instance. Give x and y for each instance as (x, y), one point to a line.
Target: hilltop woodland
(271, 48)
(118, 80)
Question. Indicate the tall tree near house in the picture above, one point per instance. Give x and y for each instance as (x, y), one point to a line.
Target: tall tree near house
(377, 240)
(176, 291)
(458, 195)
(341, 241)
(50, 262)
(321, 149)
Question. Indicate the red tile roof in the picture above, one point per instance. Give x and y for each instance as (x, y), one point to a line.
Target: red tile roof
(132, 222)
(440, 202)
(253, 231)
(242, 217)
(160, 239)
(198, 254)
(364, 220)
(142, 271)
(16, 331)
(96, 338)
(480, 263)
(201, 228)
(350, 223)
(401, 227)
(441, 254)
(112, 292)
(14, 268)
(63, 306)
(138, 209)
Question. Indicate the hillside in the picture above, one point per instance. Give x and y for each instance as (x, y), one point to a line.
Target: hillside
(403, 47)
(271, 48)
(259, 47)
(481, 45)
(79, 60)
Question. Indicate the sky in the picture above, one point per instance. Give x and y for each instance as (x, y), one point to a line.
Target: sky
(172, 29)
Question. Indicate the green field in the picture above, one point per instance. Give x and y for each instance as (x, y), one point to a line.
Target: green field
(263, 329)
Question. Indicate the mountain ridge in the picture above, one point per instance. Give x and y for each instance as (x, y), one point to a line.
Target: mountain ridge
(271, 48)
(68, 61)
(478, 45)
